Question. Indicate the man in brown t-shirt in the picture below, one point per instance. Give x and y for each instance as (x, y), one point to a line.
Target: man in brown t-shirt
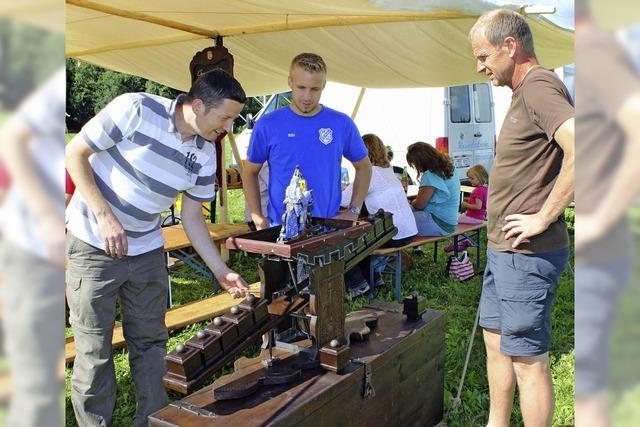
(530, 186)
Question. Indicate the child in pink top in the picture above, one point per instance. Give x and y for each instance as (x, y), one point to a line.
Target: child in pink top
(475, 204)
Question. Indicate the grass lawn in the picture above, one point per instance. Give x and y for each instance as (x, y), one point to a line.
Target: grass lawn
(458, 300)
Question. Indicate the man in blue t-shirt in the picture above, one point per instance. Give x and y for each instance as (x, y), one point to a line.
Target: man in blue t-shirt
(311, 136)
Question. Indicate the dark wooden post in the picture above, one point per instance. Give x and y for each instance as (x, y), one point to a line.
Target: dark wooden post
(326, 303)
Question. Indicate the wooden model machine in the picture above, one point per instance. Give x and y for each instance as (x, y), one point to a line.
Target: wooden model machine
(319, 365)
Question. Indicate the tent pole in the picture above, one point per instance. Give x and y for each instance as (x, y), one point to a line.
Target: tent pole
(234, 149)
(357, 106)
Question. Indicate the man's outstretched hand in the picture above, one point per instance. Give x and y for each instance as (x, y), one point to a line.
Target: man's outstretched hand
(233, 283)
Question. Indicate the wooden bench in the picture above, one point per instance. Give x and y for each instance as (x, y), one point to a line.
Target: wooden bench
(175, 318)
(177, 245)
(471, 230)
(175, 236)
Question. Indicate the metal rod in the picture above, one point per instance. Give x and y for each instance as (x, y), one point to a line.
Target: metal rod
(300, 316)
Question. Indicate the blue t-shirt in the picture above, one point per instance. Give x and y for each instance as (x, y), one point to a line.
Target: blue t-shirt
(445, 202)
(317, 144)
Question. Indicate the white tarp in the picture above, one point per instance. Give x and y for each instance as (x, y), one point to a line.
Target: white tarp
(363, 42)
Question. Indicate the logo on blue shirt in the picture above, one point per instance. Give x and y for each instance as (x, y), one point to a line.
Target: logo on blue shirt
(325, 135)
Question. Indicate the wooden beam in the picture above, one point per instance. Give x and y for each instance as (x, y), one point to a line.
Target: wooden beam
(283, 23)
(338, 21)
(138, 16)
(157, 41)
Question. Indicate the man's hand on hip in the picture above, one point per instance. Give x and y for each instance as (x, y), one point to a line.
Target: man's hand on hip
(522, 227)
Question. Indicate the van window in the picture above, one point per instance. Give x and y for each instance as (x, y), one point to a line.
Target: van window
(482, 103)
(278, 101)
(271, 105)
(460, 109)
(284, 99)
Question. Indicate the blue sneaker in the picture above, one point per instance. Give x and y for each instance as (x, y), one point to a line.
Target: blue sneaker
(358, 289)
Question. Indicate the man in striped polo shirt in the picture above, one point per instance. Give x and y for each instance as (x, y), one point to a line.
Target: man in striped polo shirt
(129, 163)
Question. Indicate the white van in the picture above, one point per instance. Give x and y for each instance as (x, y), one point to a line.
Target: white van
(459, 120)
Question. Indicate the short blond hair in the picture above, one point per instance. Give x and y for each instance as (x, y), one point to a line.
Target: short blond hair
(480, 173)
(377, 150)
(310, 62)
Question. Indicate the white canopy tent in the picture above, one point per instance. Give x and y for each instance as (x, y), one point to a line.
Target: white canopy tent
(363, 42)
(369, 44)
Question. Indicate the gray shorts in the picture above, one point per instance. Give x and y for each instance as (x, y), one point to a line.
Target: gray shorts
(517, 295)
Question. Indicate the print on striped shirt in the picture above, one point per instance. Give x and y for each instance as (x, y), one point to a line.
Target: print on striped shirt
(190, 160)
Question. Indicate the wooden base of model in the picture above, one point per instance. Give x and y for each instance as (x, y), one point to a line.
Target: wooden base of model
(393, 378)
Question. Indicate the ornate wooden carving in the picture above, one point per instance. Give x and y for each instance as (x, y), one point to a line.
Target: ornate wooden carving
(326, 304)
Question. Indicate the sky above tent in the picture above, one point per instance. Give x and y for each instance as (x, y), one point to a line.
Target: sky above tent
(564, 10)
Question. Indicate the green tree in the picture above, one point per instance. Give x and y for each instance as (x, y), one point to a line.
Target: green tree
(82, 85)
(90, 88)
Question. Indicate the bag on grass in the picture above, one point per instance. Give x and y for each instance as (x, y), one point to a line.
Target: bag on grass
(460, 267)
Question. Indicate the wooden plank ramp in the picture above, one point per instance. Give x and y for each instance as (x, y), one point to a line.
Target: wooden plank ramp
(176, 318)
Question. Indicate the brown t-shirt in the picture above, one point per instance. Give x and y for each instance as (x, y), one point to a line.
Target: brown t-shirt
(528, 160)
(604, 83)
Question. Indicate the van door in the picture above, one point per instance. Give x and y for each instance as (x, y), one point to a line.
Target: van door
(460, 127)
(484, 125)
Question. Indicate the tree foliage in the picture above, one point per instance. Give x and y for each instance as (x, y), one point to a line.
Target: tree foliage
(90, 88)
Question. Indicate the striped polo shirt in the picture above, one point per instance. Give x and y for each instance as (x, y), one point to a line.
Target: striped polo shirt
(140, 165)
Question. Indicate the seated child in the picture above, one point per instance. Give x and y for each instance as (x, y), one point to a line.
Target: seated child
(475, 204)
